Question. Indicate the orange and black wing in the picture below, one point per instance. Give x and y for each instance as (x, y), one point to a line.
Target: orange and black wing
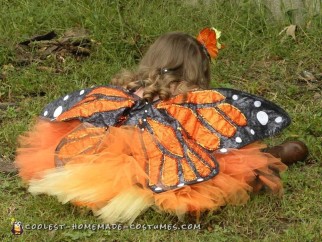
(83, 141)
(186, 130)
(100, 106)
(179, 135)
(174, 159)
(225, 118)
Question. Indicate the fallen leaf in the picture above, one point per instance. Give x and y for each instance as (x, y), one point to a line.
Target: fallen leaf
(289, 31)
(312, 80)
(308, 76)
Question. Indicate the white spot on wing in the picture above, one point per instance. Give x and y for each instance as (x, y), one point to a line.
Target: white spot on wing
(278, 119)
(235, 97)
(180, 185)
(252, 131)
(158, 189)
(262, 117)
(257, 104)
(238, 140)
(58, 111)
(223, 150)
(46, 113)
(66, 97)
(81, 92)
(200, 179)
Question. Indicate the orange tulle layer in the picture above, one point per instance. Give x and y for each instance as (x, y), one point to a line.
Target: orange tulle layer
(37, 147)
(116, 173)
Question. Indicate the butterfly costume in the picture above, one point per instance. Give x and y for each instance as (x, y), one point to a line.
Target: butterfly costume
(108, 149)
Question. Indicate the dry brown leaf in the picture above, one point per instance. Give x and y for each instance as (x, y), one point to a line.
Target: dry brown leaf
(307, 76)
(289, 31)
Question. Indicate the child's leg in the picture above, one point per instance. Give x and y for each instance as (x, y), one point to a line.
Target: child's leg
(289, 152)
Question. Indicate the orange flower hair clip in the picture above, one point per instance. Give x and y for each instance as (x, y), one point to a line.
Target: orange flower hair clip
(208, 37)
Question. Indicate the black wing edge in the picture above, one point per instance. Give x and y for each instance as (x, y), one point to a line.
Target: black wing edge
(252, 106)
(66, 102)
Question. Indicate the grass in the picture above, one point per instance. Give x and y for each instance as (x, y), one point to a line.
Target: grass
(256, 59)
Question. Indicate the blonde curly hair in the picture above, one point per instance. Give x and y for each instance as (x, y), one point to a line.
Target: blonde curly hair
(175, 63)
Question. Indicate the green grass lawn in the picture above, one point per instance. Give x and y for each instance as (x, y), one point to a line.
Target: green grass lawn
(256, 59)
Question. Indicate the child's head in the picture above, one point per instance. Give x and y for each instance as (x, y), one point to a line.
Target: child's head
(181, 55)
(174, 60)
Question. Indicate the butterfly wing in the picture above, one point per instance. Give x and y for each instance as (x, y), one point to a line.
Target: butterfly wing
(180, 134)
(86, 139)
(101, 106)
(226, 118)
(263, 118)
(194, 126)
(173, 159)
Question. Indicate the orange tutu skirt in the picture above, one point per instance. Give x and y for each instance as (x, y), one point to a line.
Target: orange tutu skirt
(112, 178)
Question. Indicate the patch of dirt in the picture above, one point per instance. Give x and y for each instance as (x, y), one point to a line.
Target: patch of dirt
(7, 166)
